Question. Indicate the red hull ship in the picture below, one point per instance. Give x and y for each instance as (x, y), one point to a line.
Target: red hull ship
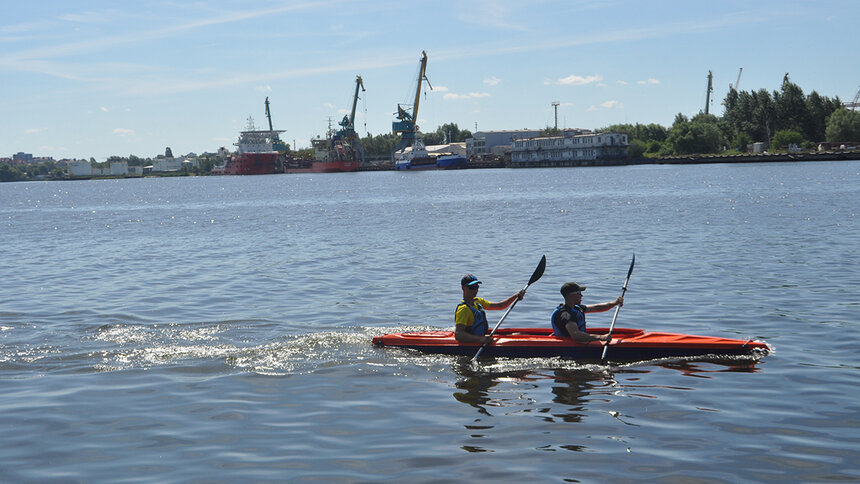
(340, 151)
(330, 157)
(256, 154)
(252, 164)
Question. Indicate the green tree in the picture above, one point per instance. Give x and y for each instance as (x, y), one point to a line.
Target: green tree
(702, 134)
(843, 125)
(790, 107)
(10, 173)
(786, 137)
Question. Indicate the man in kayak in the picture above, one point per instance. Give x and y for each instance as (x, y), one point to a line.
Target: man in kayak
(568, 319)
(470, 320)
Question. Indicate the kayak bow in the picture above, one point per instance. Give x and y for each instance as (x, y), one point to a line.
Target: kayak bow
(627, 344)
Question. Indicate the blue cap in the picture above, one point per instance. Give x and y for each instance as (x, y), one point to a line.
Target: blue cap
(469, 280)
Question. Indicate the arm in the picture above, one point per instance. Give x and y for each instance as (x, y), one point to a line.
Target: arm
(581, 337)
(463, 336)
(599, 308)
(507, 302)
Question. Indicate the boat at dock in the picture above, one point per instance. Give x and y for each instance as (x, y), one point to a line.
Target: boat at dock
(255, 154)
(416, 158)
(627, 344)
(339, 151)
(451, 162)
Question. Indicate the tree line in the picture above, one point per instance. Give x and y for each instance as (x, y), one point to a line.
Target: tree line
(777, 119)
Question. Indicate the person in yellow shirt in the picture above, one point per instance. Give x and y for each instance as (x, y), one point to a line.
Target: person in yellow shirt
(470, 320)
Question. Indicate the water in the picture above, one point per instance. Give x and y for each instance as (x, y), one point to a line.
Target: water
(218, 329)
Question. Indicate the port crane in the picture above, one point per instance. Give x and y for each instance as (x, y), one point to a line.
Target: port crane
(347, 134)
(710, 90)
(406, 125)
(738, 82)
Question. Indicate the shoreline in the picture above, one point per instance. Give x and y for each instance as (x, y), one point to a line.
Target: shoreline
(500, 163)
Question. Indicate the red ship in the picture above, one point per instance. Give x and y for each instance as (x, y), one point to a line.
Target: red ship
(340, 150)
(255, 154)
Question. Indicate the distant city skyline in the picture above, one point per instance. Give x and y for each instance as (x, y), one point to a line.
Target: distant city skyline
(101, 78)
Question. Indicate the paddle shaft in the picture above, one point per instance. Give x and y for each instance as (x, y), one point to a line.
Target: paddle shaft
(535, 276)
(618, 308)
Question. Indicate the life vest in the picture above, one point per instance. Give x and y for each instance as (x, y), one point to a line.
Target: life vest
(480, 326)
(560, 330)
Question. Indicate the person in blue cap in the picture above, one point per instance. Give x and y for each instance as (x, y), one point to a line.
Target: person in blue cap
(470, 320)
(568, 319)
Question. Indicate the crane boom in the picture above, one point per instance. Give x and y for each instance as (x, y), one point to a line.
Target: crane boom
(710, 90)
(421, 77)
(358, 84)
(406, 125)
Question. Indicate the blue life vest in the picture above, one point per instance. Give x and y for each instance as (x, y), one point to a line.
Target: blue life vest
(480, 326)
(577, 313)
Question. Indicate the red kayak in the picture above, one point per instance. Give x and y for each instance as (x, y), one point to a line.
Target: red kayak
(627, 344)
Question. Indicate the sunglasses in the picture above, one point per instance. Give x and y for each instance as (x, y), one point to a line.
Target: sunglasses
(474, 286)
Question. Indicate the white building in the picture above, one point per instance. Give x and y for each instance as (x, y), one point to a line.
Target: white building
(118, 168)
(573, 147)
(80, 168)
(484, 143)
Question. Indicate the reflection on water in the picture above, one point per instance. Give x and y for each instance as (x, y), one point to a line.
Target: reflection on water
(566, 394)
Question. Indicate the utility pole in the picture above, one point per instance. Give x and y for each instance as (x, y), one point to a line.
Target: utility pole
(555, 105)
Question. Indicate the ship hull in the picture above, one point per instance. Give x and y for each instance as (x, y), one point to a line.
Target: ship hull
(252, 163)
(338, 166)
(452, 162)
(417, 164)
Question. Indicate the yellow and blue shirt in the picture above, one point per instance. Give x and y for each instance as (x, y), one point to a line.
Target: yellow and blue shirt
(473, 318)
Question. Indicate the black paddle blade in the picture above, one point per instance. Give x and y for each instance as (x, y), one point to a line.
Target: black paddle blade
(630, 271)
(538, 271)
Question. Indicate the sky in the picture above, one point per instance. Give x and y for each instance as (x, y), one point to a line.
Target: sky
(102, 78)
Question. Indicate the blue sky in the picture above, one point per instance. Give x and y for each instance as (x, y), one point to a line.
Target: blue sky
(101, 78)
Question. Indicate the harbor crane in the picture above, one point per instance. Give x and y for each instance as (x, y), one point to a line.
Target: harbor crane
(738, 82)
(406, 126)
(347, 132)
(710, 90)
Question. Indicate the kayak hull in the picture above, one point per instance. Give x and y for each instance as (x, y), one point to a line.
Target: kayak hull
(627, 344)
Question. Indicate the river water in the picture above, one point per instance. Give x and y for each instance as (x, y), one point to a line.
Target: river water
(217, 329)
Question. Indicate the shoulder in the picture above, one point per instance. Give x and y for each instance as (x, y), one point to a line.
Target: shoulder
(483, 302)
(562, 312)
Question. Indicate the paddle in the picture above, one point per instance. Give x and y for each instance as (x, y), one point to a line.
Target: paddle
(617, 308)
(535, 276)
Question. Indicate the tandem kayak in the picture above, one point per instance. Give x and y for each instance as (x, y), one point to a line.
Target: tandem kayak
(627, 344)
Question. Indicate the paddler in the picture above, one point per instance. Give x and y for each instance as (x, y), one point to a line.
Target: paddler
(568, 319)
(470, 320)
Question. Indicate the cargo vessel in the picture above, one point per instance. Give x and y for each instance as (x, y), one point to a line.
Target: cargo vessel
(255, 153)
(339, 151)
(416, 158)
(451, 162)
(627, 344)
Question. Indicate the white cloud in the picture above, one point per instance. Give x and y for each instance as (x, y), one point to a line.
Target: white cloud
(123, 131)
(611, 104)
(471, 95)
(492, 81)
(34, 130)
(440, 89)
(265, 88)
(574, 80)
(104, 109)
(328, 105)
(649, 81)
(623, 83)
